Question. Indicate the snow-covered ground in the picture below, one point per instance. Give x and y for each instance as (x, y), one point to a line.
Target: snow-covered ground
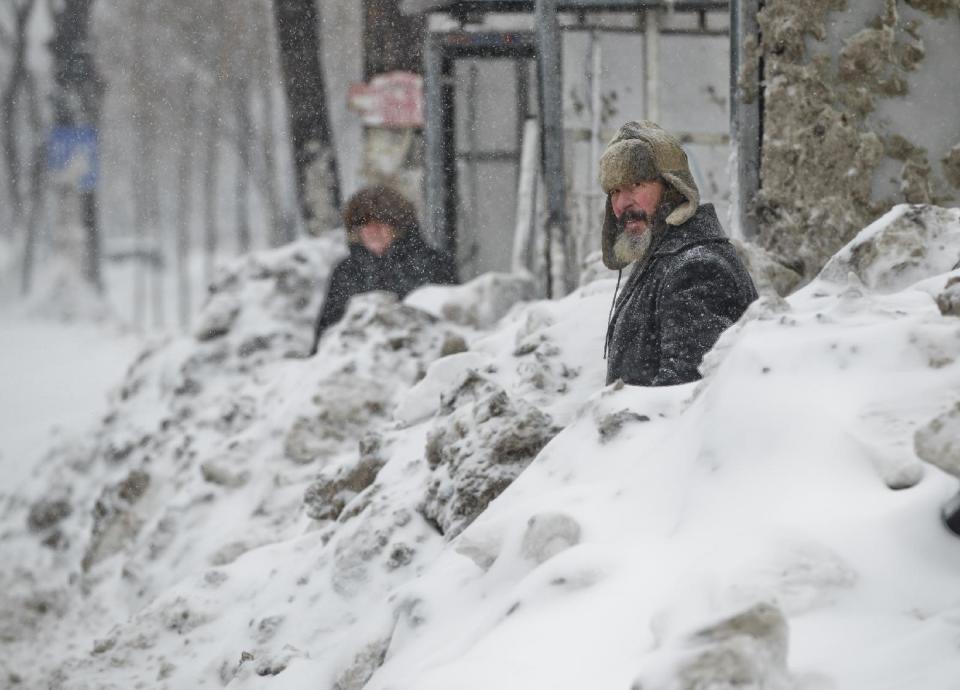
(447, 496)
(56, 377)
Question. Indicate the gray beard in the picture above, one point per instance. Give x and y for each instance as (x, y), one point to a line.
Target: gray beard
(628, 248)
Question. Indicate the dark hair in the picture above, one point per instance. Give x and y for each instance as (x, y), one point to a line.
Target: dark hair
(380, 204)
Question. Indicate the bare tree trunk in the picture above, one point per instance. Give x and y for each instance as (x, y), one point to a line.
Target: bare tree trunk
(77, 100)
(9, 99)
(146, 192)
(244, 134)
(278, 231)
(214, 126)
(92, 251)
(391, 39)
(184, 202)
(37, 188)
(11, 134)
(141, 181)
(157, 264)
(210, 180)
(140, 251)
(318, 186)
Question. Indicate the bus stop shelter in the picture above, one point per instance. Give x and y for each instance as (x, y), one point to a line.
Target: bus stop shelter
(543, 44)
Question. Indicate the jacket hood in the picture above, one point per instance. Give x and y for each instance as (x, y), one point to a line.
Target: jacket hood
(639, 152)
(702, 228)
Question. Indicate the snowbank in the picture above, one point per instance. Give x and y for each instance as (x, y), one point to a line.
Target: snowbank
(434, 504)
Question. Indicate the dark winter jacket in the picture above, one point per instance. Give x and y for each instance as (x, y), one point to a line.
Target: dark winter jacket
(691, 287)
(408, 264)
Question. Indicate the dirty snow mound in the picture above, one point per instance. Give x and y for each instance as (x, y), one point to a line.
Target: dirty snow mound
(432, 505)
(908, 244)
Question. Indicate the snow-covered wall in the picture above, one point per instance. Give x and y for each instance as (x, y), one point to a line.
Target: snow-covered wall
(860, 103)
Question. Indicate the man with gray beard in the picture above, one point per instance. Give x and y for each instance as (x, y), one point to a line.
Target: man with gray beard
(687, 283)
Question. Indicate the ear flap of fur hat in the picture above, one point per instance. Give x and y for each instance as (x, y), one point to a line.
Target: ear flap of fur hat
(688, 188)
(609, 237)
(644, 151)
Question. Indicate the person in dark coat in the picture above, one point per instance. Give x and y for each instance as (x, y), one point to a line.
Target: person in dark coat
(386, 253)
(687, 284)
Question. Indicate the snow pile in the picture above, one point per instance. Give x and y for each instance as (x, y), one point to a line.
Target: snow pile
(179, 429)
(769, 275)
(939, 441)
(486, 440)
(905, 246)
(424, 504)
(219, 446)
(480, 303)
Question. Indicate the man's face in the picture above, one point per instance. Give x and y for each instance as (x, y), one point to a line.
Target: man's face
(377, 237)
(634, 205)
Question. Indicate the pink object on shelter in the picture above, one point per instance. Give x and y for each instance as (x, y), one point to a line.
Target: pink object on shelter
(394, 100)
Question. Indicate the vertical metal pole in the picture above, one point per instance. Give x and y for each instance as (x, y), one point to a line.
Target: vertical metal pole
(551, 112)
(432, 142)
(523, 259)
(473, 148)
(596, 102)
(590, 238)
(441, 164)
(92, 249)
(746, 110)
(451, 179)
(651, 64)
(77, 102)
(522, 71)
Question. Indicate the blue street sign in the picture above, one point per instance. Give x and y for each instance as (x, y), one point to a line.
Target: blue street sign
(73, 152)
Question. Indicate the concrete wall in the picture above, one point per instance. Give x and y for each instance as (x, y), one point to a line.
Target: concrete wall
(928, 114)
(861, 104)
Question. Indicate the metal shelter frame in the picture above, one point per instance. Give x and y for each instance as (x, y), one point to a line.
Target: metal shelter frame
(544, 45)
(746, 119)
(442, 49)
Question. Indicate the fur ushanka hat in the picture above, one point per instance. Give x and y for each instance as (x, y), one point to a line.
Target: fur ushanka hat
(641, 152)
(379, 204)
